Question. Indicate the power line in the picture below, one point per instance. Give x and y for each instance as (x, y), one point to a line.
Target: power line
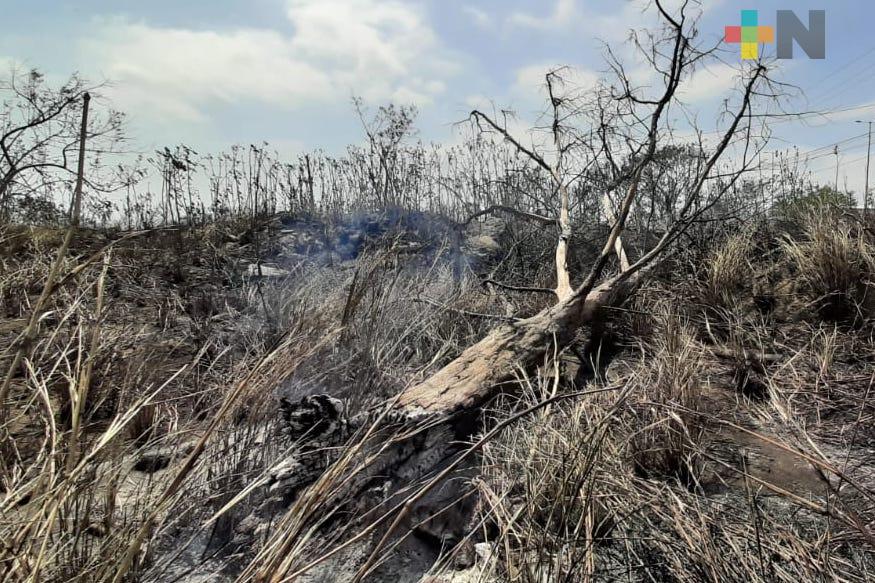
(821, 152)
(831, 92)
(846, 65)
(839, 143)
(823, 91)
(789, 117)
(824, 94)
(855, 160)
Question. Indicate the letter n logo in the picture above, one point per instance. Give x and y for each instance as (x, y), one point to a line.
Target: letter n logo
(811, 39)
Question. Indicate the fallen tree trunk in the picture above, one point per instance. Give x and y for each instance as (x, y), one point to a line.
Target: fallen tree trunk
(414, 449)
(484, 369)
(432, 418)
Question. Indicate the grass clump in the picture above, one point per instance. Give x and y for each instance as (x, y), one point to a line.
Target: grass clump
(835, 265)
(729, 273)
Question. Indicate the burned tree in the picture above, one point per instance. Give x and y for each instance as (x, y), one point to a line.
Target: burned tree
(604, 149)
(39, 136)
(475, 376)
(608, 141)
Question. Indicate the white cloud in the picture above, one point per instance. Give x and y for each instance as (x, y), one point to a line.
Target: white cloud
(175, 72)
(612, 24)
(563, 14)
(709, 83)
(479, 17)
(378, 49)
(532, 78)
(375, 44)
(479, 102)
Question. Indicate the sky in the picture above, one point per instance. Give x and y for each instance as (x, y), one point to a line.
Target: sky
(284, 71)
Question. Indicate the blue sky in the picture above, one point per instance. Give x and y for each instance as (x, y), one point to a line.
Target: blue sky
(283, 71)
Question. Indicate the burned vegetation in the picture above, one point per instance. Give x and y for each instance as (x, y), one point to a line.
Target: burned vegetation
(600, 353)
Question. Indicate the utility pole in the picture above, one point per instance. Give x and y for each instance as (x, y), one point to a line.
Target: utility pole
(836, 152)
(868, 157)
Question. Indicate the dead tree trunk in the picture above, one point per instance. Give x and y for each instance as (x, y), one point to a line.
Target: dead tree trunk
(481, 371)
(431, 418)
(418, 445)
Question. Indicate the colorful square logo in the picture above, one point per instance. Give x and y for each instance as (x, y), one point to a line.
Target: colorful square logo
(750, 34)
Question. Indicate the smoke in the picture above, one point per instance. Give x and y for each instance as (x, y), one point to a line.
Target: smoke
(422, 237)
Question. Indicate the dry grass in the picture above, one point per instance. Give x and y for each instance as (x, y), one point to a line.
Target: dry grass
(138, 356)
(668, 379)
(729, 273)
(835, 264)
(565, 498)
(145, 353)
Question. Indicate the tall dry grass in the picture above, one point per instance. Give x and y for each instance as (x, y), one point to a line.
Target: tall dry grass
(564, 498)
(143, 423)
(729, 273)
(835, 264)
(131, 360)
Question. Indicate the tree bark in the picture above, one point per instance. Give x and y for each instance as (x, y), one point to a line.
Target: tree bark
(563, 277)
(5, 185)
(484, 369)
(430, 422)
(618, 246)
